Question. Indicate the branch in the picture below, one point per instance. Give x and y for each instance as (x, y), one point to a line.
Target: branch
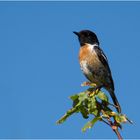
(114, 128)
(95, 102)
(118, 134)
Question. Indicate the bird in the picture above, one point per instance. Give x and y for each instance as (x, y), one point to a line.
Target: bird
(94, 64)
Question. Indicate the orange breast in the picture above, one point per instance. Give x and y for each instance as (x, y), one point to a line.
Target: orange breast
(84, 52)
(89, 55)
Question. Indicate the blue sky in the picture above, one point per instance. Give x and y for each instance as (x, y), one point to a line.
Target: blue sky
(39, 66)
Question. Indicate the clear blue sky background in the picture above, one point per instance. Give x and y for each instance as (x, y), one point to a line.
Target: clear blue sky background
(39, 66)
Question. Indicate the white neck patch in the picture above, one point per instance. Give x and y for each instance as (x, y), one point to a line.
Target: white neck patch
(91, 47)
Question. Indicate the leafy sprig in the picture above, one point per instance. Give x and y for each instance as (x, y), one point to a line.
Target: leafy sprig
(96, 103)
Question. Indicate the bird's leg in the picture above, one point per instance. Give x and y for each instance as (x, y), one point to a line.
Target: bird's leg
(95, 90)
(87, 83)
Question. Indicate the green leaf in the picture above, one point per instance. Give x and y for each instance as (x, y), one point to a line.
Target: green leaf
(79, 98)
(82, 96)
(97, 104)
(102, 96)
(120, 119)
(83, 111)
(91, 104)
(108, 114)
(90, 124)
(95, 112)
(74, 97)
(75, 103)
(66, 115)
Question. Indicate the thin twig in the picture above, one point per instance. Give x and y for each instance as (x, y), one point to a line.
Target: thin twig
(118, 133)
(105, 122)
(114, 128)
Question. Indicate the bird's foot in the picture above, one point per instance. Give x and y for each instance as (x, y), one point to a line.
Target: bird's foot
(93, 92)
(94, 88)
(87, 83)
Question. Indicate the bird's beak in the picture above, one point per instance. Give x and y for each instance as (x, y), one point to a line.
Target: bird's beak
(76, 33)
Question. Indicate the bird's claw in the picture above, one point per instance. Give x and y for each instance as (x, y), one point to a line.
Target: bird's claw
(87, 83)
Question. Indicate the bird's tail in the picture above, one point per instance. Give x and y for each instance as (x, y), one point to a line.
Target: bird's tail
(114, 98)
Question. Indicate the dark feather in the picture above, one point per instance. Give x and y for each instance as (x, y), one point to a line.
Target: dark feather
(102, 57)
(104, 61)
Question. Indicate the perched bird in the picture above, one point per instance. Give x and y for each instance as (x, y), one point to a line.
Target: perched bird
(94, 63)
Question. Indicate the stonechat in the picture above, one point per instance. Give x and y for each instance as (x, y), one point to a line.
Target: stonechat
(94, 63)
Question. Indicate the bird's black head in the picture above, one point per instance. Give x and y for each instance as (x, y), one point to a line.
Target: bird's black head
(86, 36)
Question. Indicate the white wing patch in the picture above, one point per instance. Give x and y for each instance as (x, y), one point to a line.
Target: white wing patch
(104, 56)
(92, 48)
